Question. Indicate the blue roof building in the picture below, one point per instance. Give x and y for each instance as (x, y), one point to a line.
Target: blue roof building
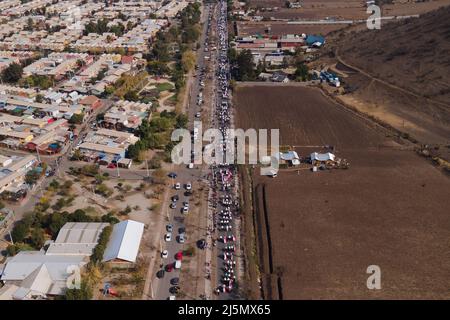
(311, 39)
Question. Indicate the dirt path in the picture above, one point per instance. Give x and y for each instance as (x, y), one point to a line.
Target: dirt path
(163, 106)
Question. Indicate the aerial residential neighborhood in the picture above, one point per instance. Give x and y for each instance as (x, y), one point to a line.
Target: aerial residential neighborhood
(250, 150)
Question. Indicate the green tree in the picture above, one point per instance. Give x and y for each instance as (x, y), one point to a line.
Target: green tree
(83, 293)
(246, 66)
(32, 177)
(157, 68)
(188, 60)
(37, 238)
(12, 73)
(131, 95)
(20, 231)
(76, 118)
(301, 73)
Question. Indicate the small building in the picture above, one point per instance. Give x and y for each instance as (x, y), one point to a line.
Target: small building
(314, 41)
(123, 246)
(91, 103)
(280, 76)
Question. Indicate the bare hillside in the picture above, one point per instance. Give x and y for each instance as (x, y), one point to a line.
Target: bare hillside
(413, 54)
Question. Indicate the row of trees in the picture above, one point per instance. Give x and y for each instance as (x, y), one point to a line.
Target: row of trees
(101, 26)
(30, 232)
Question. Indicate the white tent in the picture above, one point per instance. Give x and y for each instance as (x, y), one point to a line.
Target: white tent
(322, 156)
(124, 242)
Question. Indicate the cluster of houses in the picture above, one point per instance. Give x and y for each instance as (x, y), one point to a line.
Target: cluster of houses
(13, 170)
(107, 147)
(26, 124)
(109, 64)
(134, 40)
(9, 57)
(270, 49)
(44, 274)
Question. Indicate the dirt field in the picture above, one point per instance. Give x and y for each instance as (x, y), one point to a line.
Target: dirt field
(281, 28)
(320, 231)
(342, 9)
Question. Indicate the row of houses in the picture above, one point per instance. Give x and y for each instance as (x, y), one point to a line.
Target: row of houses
(270, 49)
(113, 67)
(23, 7)
(13, 170)
(44, 135)
(43, 274)
(57, 64)
(106, 147)
(135, 40)
(9, 57)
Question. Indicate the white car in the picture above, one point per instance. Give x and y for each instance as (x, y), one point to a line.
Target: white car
(188, 186)
(185, 210)
(168, 237)
(181, 238)
(164, 254)
(177, 186)
(197, 115)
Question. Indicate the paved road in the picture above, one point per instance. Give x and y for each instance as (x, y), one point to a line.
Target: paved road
(184, 175)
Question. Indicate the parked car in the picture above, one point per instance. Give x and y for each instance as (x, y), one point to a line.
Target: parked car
(172, 175)
(168, 237)
(164, 254)
(174, 281)
(177, 186)
(181, 238)
(160, 274)
(169, 228)
(174, 290)
(169, 267)
(201, 244)
(179, 255)
(173, 205)
(188, 186)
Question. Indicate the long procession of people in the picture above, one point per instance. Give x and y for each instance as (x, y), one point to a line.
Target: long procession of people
(223, 174)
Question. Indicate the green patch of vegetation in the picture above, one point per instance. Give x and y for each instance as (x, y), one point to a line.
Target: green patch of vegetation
(164, 86)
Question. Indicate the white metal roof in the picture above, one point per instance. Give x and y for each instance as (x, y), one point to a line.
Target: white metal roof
(124, 242)
(24, 263)
(77, 238)
(322, 156)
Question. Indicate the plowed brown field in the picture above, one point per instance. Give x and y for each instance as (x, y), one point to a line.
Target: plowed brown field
(318, 232)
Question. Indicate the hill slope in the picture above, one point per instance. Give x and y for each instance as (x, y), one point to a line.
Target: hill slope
(413, 54)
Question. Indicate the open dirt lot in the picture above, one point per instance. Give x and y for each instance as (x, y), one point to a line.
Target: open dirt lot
(318, 232)
(281, 28)
(342, 9)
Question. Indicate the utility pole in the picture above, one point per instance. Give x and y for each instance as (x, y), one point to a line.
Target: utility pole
(10, 237)
(118, 171)
(38, 156)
